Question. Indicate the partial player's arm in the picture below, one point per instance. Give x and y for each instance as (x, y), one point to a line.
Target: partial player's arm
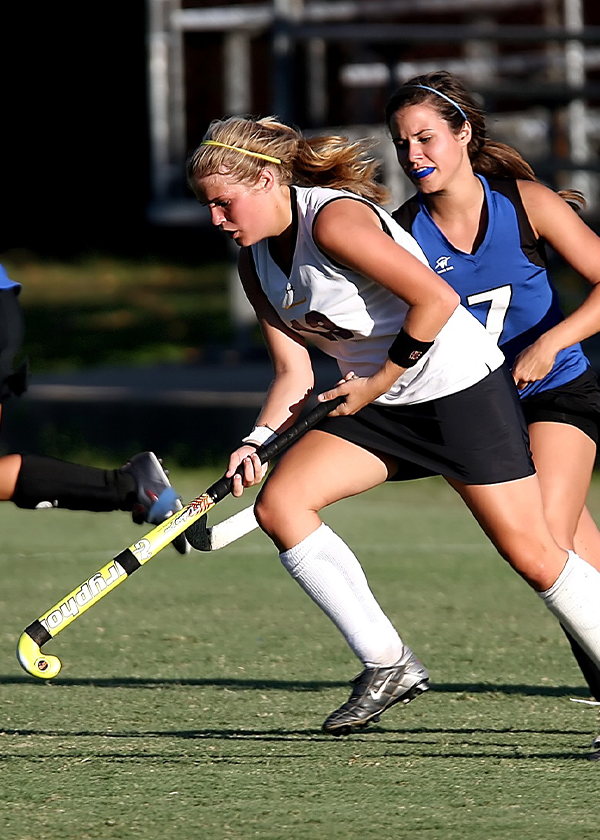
(293, 378)
(291, 386)
(556, 222)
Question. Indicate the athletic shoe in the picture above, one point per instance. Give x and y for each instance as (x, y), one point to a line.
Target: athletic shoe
(375, 690)
(156, 499)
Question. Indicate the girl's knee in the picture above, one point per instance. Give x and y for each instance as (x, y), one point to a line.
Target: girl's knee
(284, 518)
(267, 510)
(539, 565)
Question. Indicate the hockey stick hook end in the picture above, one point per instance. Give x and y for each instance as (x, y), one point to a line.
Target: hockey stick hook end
(35, 662)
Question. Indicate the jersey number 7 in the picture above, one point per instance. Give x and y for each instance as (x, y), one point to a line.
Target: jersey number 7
(499, 299)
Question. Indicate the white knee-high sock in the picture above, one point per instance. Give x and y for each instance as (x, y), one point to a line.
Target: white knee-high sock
(329, 572)
(574, 598)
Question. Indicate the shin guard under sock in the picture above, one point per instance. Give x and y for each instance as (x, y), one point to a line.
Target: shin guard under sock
(574, 598)
(44, 481)
(330, 573)
(587, 666)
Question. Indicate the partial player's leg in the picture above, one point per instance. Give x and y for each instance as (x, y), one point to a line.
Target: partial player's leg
(319, 470)
(512, 515)
(587, 538)
(564, 456)
(32, 481)
(140, 486)
(10, 466)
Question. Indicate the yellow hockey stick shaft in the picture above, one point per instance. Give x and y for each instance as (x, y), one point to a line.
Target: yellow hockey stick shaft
(88, 593)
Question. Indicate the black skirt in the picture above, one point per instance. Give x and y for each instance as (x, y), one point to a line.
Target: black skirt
(477, 436)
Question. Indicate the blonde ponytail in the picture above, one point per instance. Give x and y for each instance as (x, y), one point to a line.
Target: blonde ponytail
(242, 147)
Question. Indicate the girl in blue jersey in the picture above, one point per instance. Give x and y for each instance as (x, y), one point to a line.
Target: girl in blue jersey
(424, 391)
(482, 220)
(36, 481)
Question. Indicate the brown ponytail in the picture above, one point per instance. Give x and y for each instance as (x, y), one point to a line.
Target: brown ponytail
(453, 103)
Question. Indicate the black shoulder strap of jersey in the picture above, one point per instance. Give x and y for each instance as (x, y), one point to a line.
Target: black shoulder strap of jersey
(407, 213)
(252, 264)
(531, 245)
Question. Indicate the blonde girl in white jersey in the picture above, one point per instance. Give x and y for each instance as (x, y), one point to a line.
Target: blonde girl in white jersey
(425, 391)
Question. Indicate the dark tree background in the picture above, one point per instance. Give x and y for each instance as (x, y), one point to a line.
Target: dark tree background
(74, 162)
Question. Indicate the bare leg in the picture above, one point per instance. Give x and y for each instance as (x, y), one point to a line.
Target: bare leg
(10, 466)
(317, 471)
(587, 539)
(512, 516)
(564, 457)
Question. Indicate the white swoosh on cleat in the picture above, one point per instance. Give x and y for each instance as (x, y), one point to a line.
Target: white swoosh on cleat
(376, 695)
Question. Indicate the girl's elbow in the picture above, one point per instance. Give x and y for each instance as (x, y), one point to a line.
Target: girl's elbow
(449, 299)
(455, 297)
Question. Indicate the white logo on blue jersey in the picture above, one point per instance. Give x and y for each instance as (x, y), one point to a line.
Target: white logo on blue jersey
(441, 265)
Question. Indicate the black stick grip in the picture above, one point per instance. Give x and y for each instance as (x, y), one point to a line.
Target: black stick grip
(222, 487)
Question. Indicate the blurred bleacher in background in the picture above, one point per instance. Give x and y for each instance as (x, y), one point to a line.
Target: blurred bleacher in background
(535, 64)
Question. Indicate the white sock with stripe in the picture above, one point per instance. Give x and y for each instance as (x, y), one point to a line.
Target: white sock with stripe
(329, 572)
(574, 598)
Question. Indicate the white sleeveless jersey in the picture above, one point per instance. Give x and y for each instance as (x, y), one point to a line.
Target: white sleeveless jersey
(355, 320)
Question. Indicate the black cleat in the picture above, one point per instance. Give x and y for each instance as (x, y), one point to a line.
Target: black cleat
(375, 690)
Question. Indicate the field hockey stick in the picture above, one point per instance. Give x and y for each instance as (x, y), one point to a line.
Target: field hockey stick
(221, 534)
(121, 567)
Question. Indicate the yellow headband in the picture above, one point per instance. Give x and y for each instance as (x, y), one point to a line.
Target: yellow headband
(243, 151)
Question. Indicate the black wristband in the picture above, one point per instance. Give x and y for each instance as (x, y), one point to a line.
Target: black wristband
(405, 351)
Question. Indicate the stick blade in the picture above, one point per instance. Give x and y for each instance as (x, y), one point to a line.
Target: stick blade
(198, 535)
(232, 529)
(203, 538)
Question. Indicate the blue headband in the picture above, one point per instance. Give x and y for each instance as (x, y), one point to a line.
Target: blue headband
(447, 98)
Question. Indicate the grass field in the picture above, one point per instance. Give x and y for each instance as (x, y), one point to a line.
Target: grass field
(114, 311)
(191, 698)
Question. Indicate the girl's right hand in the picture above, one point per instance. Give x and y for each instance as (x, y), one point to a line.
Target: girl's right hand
(252, 471)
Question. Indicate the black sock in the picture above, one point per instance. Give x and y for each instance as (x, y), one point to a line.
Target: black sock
(72, 486)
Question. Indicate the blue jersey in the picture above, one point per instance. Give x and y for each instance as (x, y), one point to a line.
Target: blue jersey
(6, 282)
(505, 283)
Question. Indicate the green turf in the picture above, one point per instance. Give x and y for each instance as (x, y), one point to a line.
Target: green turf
(120, 312)
(191, 697)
